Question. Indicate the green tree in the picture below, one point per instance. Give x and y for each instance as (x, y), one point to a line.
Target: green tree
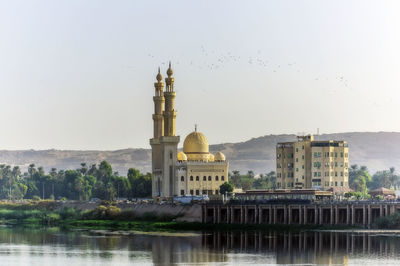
(235, 178)
(140, 184)
(105, 172)
(227, 188)
(359, 178)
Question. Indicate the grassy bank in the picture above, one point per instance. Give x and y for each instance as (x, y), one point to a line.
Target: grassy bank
(109, 217)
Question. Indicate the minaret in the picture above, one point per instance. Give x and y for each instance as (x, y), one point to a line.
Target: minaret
(159, 101)
(156, 147)
(164, 144)
(169, 113)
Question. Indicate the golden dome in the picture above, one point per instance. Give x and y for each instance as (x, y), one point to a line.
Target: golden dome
(219, 156)
(195, 142)
(182, 156)
(211, 158)
(195, 147)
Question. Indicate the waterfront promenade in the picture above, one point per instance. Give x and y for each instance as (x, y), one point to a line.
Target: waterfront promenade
(361, 213)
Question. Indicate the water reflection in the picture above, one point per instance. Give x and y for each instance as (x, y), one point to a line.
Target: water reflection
(36, 247)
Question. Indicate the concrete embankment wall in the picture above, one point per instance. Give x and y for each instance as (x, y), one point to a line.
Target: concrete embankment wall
(186, 213)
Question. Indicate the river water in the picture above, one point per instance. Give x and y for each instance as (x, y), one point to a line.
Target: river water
(52, 247)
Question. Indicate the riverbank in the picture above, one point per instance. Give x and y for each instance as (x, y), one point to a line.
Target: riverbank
(69, 220)
(110, 217)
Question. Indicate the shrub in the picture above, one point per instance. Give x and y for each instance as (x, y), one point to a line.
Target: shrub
(113, 212)
(69, 213)
(388, 222)
(36, 198)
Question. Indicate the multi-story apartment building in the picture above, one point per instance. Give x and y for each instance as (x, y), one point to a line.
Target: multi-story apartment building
(312, 164)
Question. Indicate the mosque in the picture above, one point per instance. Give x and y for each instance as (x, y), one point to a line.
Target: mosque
(194, 170)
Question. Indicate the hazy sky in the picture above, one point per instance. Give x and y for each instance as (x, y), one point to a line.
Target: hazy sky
(79, 74)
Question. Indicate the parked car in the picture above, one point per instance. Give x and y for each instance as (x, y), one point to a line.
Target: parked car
(187, 199)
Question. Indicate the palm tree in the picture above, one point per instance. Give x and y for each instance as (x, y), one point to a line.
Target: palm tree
(31, 170)
(84, 168)
(393, 177)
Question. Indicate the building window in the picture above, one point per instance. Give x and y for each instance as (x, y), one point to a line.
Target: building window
(216, 192)
(297, 160)
(191, 178)
(302, 166)
(341, 173)
(315, 174)
(170, 155)
(297, 169)
(197, 178)
(182, 192)
(319, 173)
(341, 183)
(335, 154)
(223, 178)
(182, 178)
(335, 183)
(335, 173)
(302, 157)
(302, 176)
(278, 155)
(204, 192)
(197, 192)
(191, 192)
(216, 178)
(204, 178)
(341, 154)
(209, 178)
(302, 147)
(297, 149)
(335, 164)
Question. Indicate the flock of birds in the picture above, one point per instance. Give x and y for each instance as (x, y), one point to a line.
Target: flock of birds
(211, 60)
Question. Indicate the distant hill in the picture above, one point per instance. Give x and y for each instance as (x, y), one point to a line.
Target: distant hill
(376, 150)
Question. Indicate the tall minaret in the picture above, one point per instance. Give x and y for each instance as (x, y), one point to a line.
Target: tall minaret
(156, 147)
(159, 101)
(164, 144)
(169, 113)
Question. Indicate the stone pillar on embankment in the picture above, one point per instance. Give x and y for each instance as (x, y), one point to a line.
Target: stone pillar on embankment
(346, 213)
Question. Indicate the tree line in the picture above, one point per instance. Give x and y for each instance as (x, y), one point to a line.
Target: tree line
(249, 181)
(84, 183)
(360, 180)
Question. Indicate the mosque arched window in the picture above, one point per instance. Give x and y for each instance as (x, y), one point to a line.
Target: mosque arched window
(209, 178)
(197, 178)
(204, 178)
(216, 178)
(223, 178)
(182, 178)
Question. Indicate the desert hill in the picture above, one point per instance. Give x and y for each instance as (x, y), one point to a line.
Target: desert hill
(376, 150)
